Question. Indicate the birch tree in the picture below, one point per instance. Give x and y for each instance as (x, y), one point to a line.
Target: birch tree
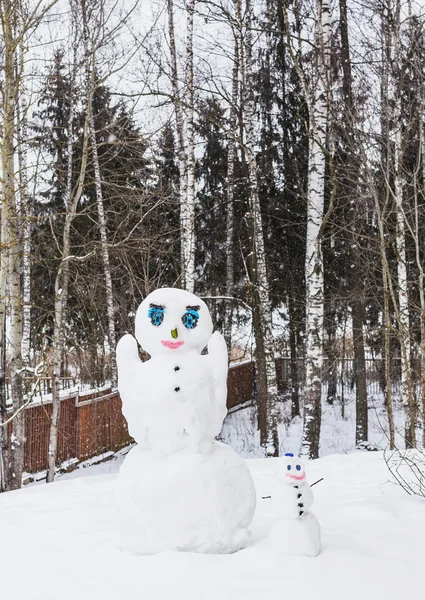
(7, 196)
(7, 206)
(91, 41)
(11, 235)
(25, 205)
(230, 189)
(351, 183)
(17, 22)
(316, 95)
(421, 278)
(261, 307)
(392, 119)
(404, 318)
(71, 200)
(183, 101)
(188, 211)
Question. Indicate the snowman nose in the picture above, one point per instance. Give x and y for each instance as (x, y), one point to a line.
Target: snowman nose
(174, 333)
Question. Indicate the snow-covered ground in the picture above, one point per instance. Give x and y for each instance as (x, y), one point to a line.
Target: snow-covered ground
(59, 541)
(338, 434)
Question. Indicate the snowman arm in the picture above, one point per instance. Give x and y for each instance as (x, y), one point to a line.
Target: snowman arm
(217, 357)
(130, 384)
(218, 362)
(128, 356)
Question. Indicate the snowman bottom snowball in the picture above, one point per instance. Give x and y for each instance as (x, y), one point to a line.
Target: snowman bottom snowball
(186, 501)
(297, 537)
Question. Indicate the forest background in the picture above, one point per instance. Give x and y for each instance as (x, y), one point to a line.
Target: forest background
(268, 155)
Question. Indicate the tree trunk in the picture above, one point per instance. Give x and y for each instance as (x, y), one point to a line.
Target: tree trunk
(295, 388)
(351, 185)
(105, 255)
(358, 317)
(90, 66)
(62, 276)
(26, 215)
(392, 114)
(188, 212)
(182, 156)
(314, 302)
(332, 373)
(343, 367)
(262, 318)
(11, 222)
(381, 215)
(387, 319)
(4, 442)
(318, 119)
(421, 280)
(231, 157)
(4, 269)
(404, 318)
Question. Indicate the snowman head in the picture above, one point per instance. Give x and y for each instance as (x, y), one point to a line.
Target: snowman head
(291, 469)
(171, 320)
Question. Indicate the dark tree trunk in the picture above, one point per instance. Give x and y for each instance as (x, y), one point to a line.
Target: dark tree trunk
(357, 309)
(332, 373)
(295, 386)
(261, 372)
(357, 288)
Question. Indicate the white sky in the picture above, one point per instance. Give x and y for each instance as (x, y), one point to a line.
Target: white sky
(137, 54)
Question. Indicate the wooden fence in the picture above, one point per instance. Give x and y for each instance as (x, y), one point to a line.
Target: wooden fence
(88, 425)
(91, 424)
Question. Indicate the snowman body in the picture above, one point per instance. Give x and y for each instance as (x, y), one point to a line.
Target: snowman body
(178, 489)
(170, 412)
(291, 500)
(297, 531)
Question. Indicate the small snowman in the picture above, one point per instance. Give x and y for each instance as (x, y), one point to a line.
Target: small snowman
(297, 532)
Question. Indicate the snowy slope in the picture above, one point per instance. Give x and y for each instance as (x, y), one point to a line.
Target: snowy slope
(58, 541)
(338, 434)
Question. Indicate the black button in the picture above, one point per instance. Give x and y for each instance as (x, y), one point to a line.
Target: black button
(177, 368)
(301, 512)
(301, 505)
(299, 495)
(177, 389)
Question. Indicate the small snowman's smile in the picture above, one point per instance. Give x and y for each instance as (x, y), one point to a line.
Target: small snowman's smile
(297, 477)
(171, 345)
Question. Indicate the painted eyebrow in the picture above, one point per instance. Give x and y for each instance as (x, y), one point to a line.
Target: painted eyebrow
(193, 308)
(160, 306)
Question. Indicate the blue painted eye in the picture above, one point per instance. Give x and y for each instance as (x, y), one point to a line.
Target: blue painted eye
(156, 315)
(298, 467)
(289, 467)
(190, 319)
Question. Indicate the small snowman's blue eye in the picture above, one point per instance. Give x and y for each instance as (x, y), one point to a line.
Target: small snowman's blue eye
(289, 467)
(298, 467)
(156, 315)
(190, 319)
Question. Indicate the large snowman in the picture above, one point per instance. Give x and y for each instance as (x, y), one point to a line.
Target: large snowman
(178, 489)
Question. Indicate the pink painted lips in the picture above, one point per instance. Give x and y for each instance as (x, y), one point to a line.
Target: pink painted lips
(297, 477)
(171, 345)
